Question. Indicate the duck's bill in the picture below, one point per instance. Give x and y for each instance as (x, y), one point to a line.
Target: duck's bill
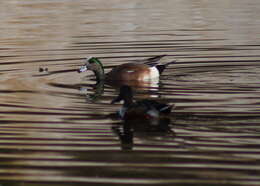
(82, 69)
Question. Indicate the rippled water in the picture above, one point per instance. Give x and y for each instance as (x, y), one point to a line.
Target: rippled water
(56, 126)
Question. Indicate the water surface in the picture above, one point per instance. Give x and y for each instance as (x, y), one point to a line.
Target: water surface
(55, 124)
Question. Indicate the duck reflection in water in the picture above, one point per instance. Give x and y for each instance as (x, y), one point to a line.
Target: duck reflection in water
(146, 116)
(128, 129)
(95, 92)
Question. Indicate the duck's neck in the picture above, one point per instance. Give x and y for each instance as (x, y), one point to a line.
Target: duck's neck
(99, 71)
(100, 76)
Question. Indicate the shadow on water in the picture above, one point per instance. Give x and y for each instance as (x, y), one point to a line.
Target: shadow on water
(56, 126)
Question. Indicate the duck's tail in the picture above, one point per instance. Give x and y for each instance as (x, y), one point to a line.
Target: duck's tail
(161, 67)
(155, 62)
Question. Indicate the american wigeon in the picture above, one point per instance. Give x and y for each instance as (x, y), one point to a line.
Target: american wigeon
(142, 109)
(144, 70)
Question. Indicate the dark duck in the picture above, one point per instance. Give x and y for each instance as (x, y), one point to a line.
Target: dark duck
(140, 110)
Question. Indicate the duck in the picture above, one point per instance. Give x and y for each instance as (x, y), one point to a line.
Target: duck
(143, 70)
(145, 109)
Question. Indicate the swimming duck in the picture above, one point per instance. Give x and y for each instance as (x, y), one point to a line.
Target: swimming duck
(144, 70)
(143, 109)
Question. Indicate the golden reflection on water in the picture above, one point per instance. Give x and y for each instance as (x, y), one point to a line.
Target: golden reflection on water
(56, 126)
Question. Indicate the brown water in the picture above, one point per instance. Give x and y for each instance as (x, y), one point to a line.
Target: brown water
(55, 127)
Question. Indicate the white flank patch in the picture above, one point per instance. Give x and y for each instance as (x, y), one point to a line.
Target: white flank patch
(154, 73)
(130, 71)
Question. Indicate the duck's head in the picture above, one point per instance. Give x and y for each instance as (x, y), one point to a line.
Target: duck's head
(125, 94)
(92, 63)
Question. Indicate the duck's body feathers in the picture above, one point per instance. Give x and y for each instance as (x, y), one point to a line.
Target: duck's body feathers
(141, 70)
(142, 109)
(129, 72)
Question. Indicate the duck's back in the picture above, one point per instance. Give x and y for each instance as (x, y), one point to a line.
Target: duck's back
(129, 72)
